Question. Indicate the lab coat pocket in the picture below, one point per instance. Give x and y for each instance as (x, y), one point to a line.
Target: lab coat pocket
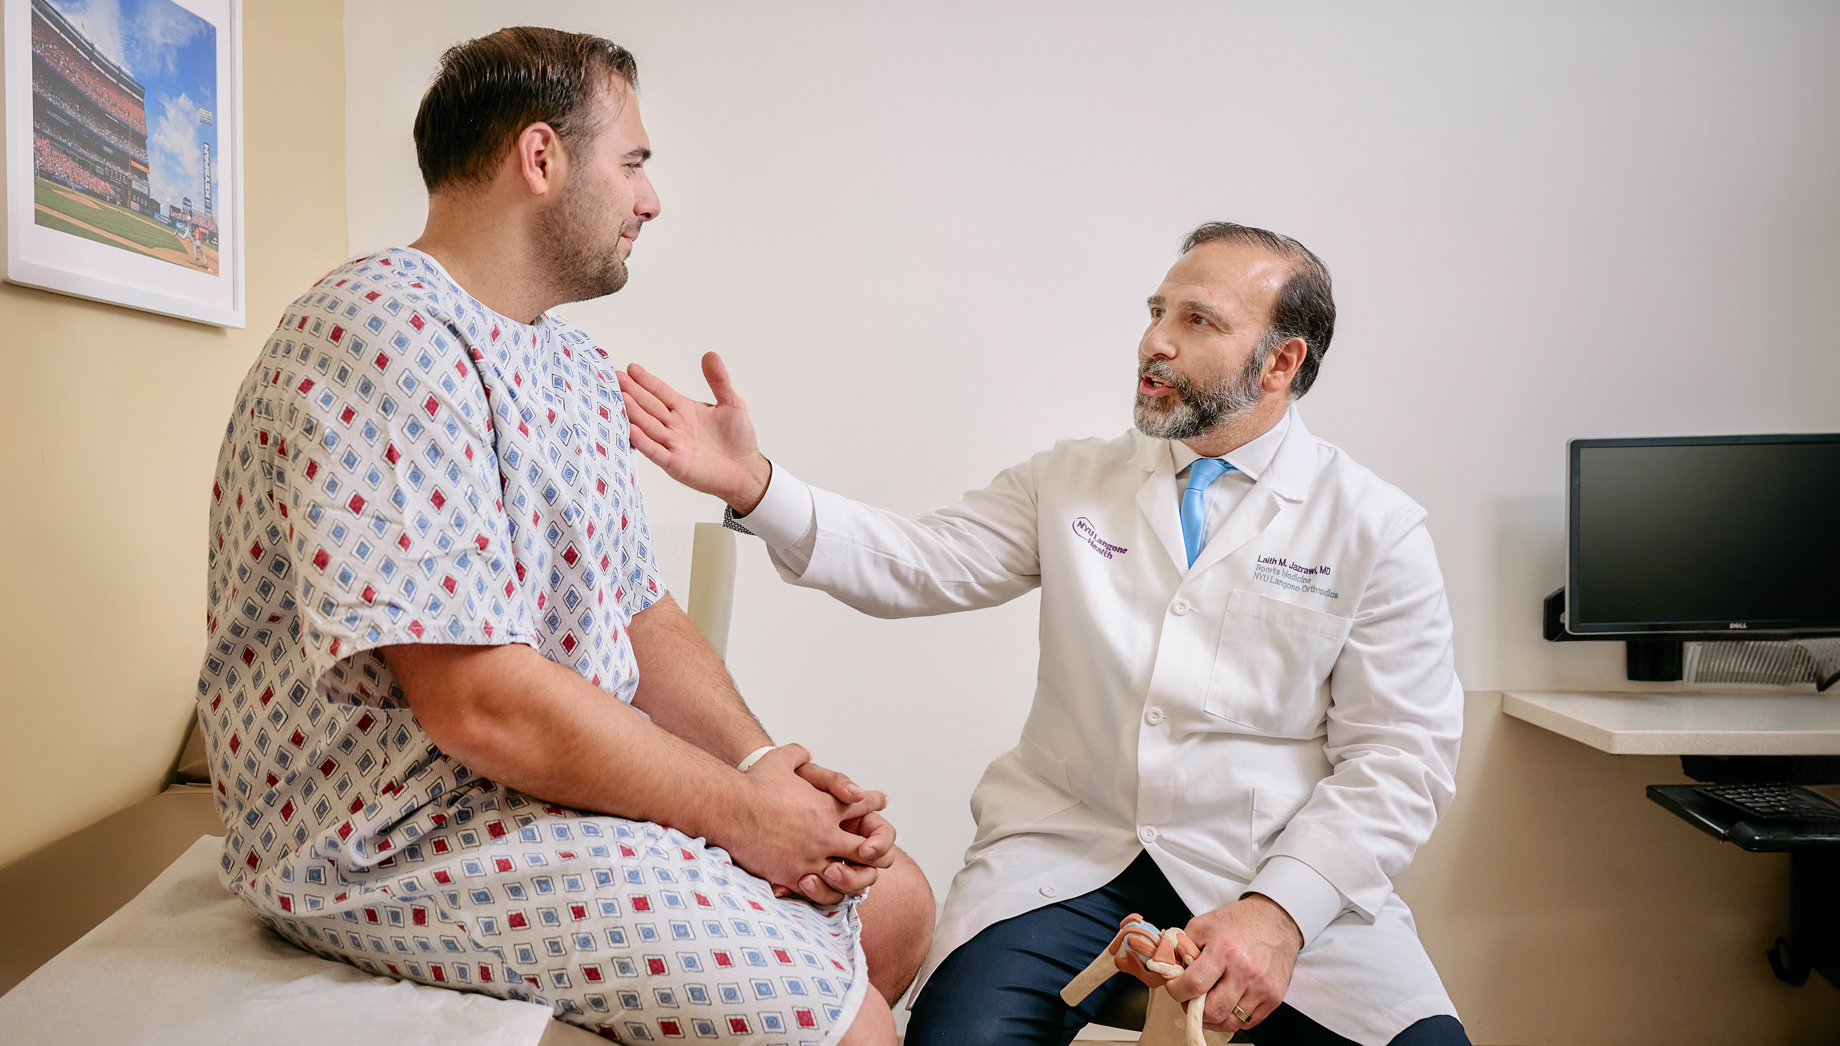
(1020, 789)
(1271, 811)
(1036, 758)
(1271, 672)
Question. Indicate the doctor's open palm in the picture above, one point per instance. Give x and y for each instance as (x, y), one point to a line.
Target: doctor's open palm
(709, 447)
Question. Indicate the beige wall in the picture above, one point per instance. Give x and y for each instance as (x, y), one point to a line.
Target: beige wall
(109, 424)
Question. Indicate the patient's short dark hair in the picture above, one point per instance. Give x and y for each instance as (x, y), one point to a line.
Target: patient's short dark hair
(1306, 303)
(490, 89)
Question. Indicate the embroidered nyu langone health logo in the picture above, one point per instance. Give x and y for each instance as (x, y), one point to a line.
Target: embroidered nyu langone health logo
(1084, 528)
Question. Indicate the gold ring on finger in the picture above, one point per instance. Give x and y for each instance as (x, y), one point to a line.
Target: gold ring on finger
(1242, 1015)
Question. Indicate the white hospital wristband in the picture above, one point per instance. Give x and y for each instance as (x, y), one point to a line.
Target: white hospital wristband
(754, 757)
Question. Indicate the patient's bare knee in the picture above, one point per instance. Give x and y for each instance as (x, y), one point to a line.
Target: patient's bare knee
(897, 926)
(873, 1025)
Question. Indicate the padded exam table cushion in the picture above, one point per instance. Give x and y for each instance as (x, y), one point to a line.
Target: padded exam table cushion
(186, 963)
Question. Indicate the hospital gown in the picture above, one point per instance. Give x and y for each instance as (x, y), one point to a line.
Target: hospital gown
(406, 466)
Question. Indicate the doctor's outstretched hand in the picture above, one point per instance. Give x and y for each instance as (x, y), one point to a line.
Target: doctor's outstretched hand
(708, 447)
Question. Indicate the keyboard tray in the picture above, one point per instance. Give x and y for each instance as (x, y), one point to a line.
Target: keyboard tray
(1722, 820)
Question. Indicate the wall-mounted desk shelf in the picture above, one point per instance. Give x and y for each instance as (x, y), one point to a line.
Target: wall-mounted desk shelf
(1696, 723)
(1686, 722)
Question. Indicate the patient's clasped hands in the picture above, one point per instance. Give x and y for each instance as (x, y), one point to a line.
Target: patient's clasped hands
(804, 816)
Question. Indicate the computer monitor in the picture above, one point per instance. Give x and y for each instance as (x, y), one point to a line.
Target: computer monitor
(1704, 537)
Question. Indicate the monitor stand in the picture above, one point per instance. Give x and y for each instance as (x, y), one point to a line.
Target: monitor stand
(1646, 660)
(1654, 660)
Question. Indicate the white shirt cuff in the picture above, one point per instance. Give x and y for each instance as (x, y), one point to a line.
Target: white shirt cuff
(785, 515)
(1312, 901)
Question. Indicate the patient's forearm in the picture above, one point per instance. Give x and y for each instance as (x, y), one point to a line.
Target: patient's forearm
(515, 716)
(686, 689)
(537, 726)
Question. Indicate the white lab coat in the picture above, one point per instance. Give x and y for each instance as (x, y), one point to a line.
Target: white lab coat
(1283, 716)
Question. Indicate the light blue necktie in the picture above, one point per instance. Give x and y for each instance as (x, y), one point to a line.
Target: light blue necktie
(1203, 472)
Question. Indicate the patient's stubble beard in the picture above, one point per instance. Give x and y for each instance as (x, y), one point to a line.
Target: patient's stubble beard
(1198, 409)
(582, 265)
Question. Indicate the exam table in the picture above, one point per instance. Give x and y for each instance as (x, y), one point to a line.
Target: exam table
(122, 933)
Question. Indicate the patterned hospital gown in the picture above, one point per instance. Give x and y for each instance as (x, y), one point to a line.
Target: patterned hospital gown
(406, 466)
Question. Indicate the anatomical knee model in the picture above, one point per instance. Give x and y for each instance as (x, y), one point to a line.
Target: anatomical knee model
(1155, 958)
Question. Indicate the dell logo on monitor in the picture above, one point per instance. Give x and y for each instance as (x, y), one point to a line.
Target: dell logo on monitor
(1737, 624)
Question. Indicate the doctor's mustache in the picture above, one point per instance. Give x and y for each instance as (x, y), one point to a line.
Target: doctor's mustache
(1199, 408)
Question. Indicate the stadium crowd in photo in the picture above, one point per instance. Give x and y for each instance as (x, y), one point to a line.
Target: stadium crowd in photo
(89, 152)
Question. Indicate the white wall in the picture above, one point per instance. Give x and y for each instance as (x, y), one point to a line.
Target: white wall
(923, 241)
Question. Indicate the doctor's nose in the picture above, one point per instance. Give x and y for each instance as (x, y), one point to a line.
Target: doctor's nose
(1156, 343)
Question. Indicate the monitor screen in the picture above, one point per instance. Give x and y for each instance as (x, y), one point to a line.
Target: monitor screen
(1719, 534)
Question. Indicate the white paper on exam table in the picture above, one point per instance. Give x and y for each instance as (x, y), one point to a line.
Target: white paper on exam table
(188, 964)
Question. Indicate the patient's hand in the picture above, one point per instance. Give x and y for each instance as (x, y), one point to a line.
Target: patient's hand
(786, 831)
(705, 446)
(856, 872)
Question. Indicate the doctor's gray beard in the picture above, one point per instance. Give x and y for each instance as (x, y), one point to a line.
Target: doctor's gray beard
(1199, 409)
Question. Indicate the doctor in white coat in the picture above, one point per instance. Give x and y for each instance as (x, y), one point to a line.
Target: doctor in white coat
(1247, 715)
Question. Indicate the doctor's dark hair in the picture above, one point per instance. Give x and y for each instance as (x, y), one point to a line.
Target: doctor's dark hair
(1306, 303)
(490, 89)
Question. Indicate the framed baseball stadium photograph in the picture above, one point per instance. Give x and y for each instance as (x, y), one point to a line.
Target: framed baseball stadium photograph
(124, 153)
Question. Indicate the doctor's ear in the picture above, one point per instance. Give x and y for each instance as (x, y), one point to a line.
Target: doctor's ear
(1281, 366)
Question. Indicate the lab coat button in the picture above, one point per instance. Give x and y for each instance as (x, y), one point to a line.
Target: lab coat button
(1182, 606)
(1049, 891)
(1147, 834)
(1154, 716)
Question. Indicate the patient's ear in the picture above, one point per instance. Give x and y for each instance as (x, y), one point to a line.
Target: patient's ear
(537, 160)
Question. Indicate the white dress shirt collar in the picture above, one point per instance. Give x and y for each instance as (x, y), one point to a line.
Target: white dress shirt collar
(1251, 458)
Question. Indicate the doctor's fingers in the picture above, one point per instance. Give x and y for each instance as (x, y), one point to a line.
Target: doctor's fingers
(1204, 974)
(1255, 997)
(654, 451)
(646, 413)
(1221, 972)
(715, 372)
(657, 389)
(651, 438)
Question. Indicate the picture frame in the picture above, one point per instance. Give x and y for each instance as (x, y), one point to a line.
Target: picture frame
(124, 153)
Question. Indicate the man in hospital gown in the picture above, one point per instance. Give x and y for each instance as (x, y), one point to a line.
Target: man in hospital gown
(1246, 718)
(458, 731)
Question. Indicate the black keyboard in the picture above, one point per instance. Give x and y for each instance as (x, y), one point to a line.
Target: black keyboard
(1775, 802)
